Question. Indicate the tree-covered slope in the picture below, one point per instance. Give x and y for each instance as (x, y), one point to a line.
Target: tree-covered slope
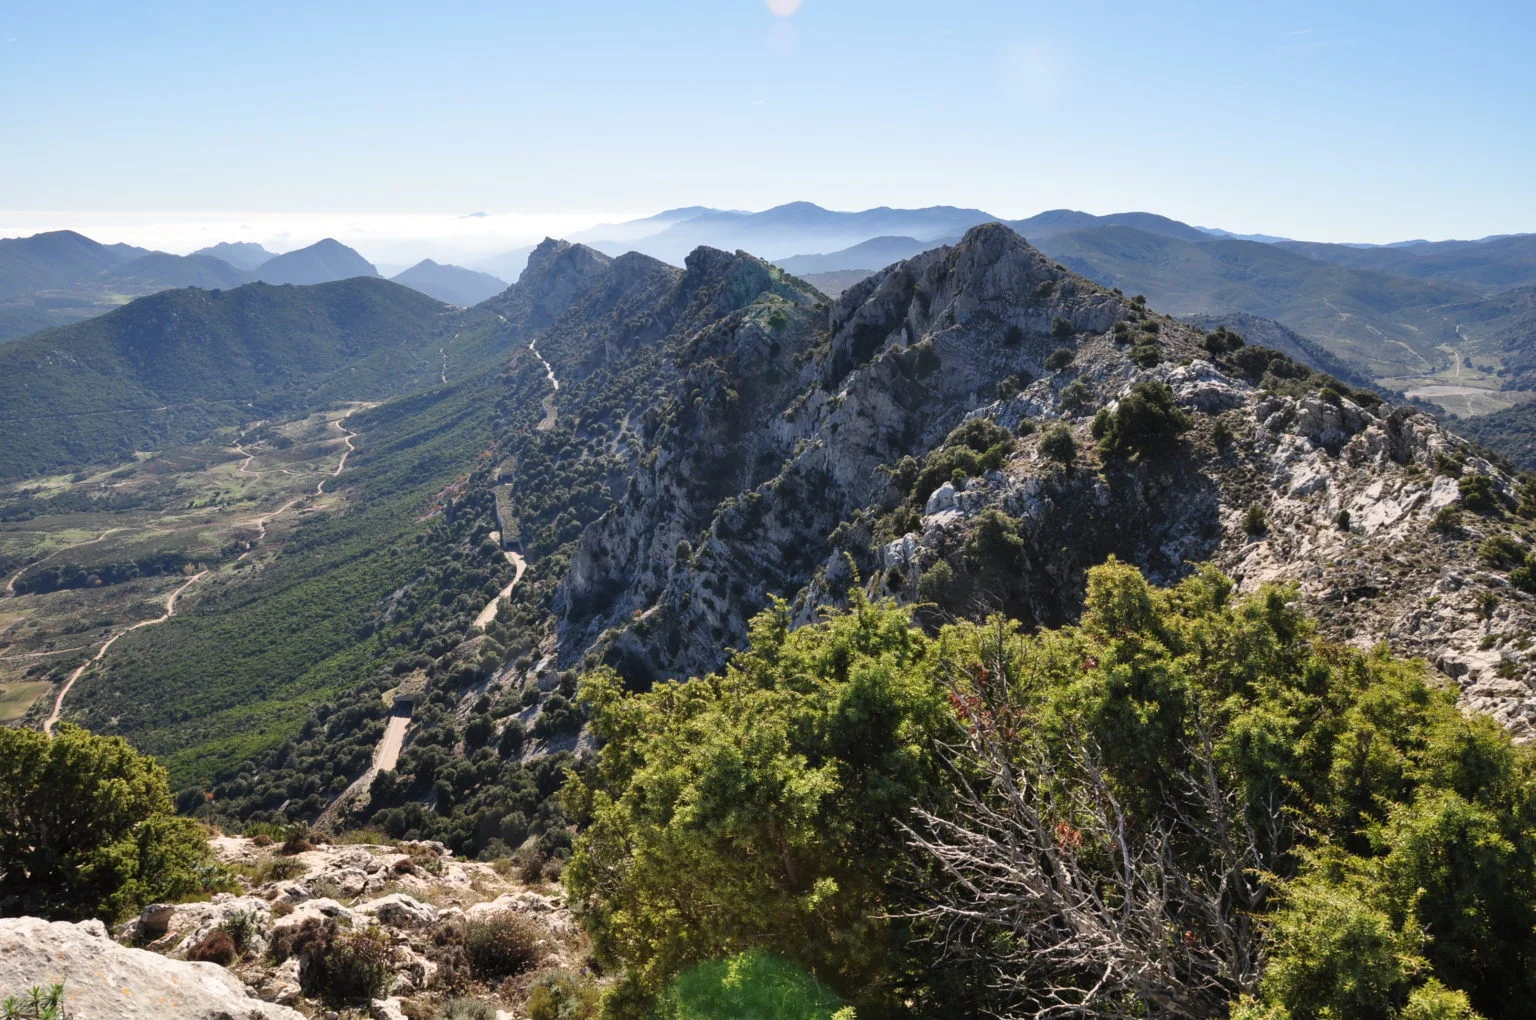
(169, 365)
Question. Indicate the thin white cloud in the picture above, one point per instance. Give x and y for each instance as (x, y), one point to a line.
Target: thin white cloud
(784, 8)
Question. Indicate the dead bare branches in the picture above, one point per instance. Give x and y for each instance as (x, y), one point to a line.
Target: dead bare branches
(1080, 906)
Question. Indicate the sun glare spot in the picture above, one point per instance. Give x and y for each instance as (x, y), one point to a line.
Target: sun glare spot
(783, 8)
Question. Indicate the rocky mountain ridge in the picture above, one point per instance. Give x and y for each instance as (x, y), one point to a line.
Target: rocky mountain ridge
(774, 470)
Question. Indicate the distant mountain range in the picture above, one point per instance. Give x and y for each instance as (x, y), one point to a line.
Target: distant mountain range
(240, 254)
(59, 277)
(452, 285)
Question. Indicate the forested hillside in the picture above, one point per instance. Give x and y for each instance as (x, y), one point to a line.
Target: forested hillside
(167, 367)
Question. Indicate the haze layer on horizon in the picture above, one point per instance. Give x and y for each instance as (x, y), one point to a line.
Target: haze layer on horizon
(1359, 122)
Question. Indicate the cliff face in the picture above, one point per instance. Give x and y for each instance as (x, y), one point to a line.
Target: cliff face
(772, 463)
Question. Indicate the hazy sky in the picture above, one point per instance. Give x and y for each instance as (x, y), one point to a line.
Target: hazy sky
(175, 122)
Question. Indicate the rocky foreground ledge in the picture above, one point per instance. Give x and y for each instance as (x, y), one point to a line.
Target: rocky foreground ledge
(258, 955)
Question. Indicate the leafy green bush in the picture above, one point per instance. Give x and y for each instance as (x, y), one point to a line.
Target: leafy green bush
(87, 829)
(1478, 494)
(1061, 328)
(1146, 423)
(1234, 790)
(1447, 520)
(978, 445)
(775, 787)
(1074, 395)
(748, 986)
(242, 928)
(1255, 522)
(1219, 341)
(1383, 840)
(1057, 444)
(1060, 358)
(1501, 552)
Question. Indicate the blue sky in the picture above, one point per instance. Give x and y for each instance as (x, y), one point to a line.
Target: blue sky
(1330, 121)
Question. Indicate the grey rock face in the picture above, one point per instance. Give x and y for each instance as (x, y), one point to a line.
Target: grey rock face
(105, 981)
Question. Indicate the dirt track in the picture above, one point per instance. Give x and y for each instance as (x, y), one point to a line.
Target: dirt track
(170, 601)
(170, 611)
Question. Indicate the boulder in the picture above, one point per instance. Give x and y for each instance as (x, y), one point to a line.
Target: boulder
(105, 981)
(397, 910)
(387, 1009)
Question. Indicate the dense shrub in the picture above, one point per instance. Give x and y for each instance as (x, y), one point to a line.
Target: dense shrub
(1272, 826)
(1074, 395)
(1478, 494)
(347, 967)
(1255, 522)
(1145, 423)
(1060, 358)
(751, 984)
(775, 787)
(502, 944)
(1447, 520)
(215, 947)
(1501, 552)
(87, 829)
(1061, 328)
(560, 995)
(1057, 444)
(975, 447)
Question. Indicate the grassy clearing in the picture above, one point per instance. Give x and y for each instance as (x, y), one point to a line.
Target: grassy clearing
(16, 698)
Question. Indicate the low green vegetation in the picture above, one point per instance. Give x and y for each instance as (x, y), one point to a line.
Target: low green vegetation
(36, 1004)
(749, 986)
(347, 594)
(1274, 825)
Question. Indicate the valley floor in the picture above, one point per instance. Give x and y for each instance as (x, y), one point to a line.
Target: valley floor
(76, 582)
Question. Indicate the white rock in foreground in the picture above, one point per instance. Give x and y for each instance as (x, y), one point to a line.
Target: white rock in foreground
(105, 981)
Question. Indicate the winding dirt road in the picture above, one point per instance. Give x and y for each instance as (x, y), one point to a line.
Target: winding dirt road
(170, 611)
(170, 601)
(349, 435)
(548, 403)
(387, 754)
(485, 616)
(245, 465)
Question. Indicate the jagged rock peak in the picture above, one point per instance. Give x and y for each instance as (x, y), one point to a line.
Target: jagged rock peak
(552, 254)
(736, 281)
